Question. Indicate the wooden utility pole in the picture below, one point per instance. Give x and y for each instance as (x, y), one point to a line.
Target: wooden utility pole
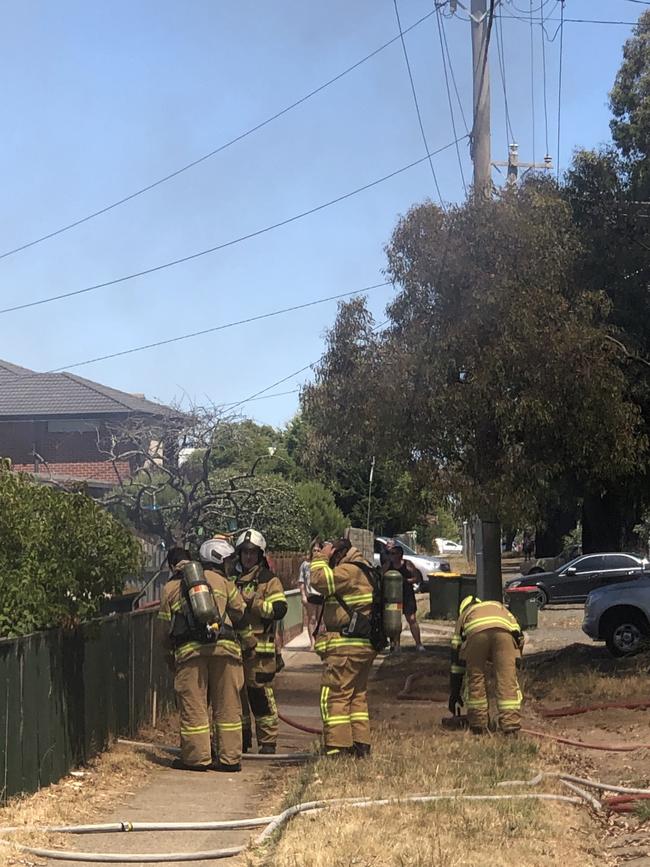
(480, 142)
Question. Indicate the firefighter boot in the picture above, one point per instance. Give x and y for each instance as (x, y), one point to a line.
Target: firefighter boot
(267, 750)
(361, 751)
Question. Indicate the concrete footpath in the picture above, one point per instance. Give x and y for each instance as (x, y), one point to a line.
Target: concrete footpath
(183, 796)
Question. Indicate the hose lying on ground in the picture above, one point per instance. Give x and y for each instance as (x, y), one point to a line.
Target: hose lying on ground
(610, 748)
(273, 825)
(271, 757)
(300, 726)
(574, 710)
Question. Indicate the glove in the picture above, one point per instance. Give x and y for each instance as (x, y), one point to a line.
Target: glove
(455, 701)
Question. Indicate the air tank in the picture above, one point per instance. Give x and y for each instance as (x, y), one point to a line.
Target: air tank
(200, 593)
(392, 598)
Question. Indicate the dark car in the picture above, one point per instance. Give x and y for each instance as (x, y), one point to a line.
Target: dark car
(574, 581)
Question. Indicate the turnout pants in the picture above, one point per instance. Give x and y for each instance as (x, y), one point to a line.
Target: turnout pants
(258, 702)
(344, 699)
(217, 679)
(498, 647)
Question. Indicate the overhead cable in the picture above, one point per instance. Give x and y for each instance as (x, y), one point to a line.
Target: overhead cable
(218, 149)
(417, 105)
(571, 20)
(544, 83)
(559, 90)
(232, 242)
(223, 327)
(532, 77)
(453, 75)
(450, 101)
(501, 55)
(295, 373)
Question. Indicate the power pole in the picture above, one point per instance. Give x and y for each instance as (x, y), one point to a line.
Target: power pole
(480, 141)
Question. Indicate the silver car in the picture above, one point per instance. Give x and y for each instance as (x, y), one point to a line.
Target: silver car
(422, 562)
(619, 615)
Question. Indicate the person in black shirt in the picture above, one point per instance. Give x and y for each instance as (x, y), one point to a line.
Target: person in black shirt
(392, 557)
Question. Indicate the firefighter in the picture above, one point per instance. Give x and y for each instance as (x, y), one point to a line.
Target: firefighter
(266, 604)
(341, 575)
(207, 660)
(486, 632)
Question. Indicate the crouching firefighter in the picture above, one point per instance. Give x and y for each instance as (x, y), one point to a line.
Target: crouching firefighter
(486, 632)
(266, 605)
(207, 627)
(341, 575)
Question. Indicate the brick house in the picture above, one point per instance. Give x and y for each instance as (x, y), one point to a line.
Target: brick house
(52, 424)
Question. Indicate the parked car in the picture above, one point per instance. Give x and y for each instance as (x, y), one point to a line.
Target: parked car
(422, 562)
(619, 615)
(575, 580)
(446, 546)
(550, 564)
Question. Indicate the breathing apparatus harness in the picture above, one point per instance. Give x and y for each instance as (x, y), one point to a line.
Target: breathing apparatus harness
(199, 618)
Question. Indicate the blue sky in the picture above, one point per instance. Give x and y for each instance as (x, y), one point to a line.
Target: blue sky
(102, 98)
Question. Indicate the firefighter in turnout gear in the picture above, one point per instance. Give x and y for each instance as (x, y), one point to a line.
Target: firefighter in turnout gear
(207, 659)
(266, 604)
(486, 632)
(340, 574)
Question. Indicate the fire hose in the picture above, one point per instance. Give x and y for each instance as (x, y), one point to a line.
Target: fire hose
(271, 823)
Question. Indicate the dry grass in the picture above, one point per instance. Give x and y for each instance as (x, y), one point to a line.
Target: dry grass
(423, 761)
(85, 795)
(574, 672)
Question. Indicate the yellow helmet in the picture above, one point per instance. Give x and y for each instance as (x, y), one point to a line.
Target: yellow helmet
(467, 601)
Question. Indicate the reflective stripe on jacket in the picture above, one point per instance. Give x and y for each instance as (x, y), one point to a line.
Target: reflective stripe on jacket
(476, 618)
(266, 604)
(350, 583)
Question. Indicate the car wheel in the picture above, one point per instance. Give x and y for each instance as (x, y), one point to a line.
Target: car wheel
(541, 598)
(626, 635)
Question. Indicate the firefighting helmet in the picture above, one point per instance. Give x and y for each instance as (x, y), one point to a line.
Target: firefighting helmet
(467, 601)
(251, 537)
(216, 551)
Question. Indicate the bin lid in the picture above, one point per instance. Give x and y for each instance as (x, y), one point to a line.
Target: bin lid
(443, 575)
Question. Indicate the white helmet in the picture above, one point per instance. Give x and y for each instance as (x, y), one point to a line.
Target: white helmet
(253, 537)
(215, 551)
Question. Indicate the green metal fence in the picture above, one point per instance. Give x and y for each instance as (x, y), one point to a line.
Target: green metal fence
(64, 695)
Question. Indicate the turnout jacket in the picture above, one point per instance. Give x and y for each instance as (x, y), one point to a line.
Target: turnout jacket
(236, 632)
(351, 583)
(266, 604)
(477, 616)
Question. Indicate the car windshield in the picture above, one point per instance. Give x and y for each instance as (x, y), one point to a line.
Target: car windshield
(404, 547)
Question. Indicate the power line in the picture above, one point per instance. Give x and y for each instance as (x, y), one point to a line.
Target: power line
(559, 88)
(193, 334)
(289, 376)
(217, 150)
(532, 75)
(233, 241)
(453, 76)
(544, 81)
(449, 99)
(263, 397)
(570, 20)
(416, 103)
(501, 54)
